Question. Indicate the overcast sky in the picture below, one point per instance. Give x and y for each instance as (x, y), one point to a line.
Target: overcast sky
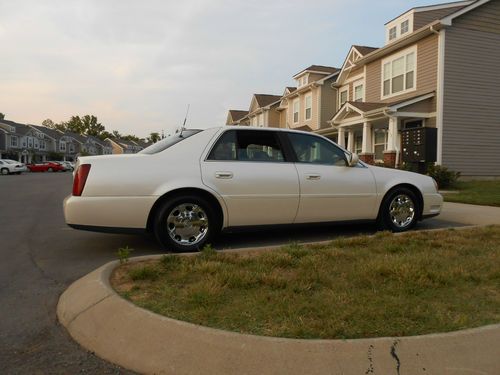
(137, 64)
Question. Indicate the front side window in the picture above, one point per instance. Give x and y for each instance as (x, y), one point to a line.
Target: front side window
(247, 145)
(399, 74)
(358, 93)
(343, 96)
(316, 150)
(392, 33)
(308, 106)
(379, 144)
(296, 110)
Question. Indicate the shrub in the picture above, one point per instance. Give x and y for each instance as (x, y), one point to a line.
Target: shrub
(444, 177)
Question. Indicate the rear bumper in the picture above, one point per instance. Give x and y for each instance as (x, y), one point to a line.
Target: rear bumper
(121, 213)
(433, 203)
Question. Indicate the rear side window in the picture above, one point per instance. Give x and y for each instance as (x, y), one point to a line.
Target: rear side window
(248, 145)
(169, 141)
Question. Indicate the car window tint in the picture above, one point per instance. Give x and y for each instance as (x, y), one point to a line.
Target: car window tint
(247, 145)
(255, 145)
(225, 148)
(316, 150)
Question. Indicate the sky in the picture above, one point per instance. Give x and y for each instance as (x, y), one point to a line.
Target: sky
(137, 64)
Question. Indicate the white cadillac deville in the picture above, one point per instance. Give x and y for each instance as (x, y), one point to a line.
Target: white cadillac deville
(188, 187)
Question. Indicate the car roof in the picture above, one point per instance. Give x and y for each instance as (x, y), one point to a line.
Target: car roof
(263, 129)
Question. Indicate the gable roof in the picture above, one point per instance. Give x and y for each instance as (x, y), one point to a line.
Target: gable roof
(364, 50)
(19, 129)
(237, 114)
(453, 6)
(77, 137)
(318, 69)
(263, 100)
(52, 133)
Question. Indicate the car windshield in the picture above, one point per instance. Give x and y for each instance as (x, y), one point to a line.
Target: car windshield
(169, 141)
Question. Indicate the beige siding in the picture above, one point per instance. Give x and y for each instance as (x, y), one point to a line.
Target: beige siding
(313, 77)
(485, 18)
(426, 73)
(355, 72)
(273, 117)
(430, 122)
(283, 118)
(328, 103)
(428, 105)
(423, 18)
(471, 117)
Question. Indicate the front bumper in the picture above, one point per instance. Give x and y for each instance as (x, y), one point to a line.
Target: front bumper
(433, 203)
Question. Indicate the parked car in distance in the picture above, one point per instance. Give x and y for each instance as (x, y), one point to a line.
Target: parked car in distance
(56, 168)
(188, 187)
(38, 167)
(69, 166)
(8, 166)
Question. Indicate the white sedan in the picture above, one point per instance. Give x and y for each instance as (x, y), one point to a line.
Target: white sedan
(188, 187)
(8, 166)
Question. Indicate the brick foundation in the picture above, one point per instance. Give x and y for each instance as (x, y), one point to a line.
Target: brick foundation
(367, 158)
(390, 159)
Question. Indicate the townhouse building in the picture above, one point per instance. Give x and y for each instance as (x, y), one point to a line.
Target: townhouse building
(430, 94)
(311, 104)
(122, 146)
(237, 117)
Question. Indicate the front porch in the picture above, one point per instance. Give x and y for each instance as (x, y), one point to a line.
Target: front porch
(373, 130)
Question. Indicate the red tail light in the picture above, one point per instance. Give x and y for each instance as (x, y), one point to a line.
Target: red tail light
(80, 179)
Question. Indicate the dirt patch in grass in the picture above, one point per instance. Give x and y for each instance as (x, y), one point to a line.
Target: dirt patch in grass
(366, 286)
(486, 193)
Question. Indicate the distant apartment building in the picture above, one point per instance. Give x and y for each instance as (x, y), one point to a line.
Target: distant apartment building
(122, 146)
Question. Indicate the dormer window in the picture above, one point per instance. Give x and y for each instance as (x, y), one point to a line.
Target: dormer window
(405, 26)
(392, 33)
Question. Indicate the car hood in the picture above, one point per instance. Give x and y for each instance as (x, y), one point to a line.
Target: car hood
(387, 177)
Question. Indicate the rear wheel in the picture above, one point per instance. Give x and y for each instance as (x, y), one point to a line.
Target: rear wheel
(185, 223)
(399, 210)
(4, 171)
(50, 170)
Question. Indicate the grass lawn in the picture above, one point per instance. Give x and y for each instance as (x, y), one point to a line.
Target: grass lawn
(485, 193)
(366, 286)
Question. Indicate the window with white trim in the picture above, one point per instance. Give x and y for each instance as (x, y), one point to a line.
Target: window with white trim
(358, 143)
(398, 74)
(71, 147)
(393, 33)
(13, 141)
(30, 142)
(379, 144)
(358, 92)
(343, 96)
(62, 146)
(308, 108)
(405, 26)
(296, 111)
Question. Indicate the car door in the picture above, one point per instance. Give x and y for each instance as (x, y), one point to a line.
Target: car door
(249, 170)
(329, 189)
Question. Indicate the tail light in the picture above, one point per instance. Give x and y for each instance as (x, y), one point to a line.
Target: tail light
(80, 178)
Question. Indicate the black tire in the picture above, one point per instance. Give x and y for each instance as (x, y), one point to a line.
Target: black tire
(404, 199)
(164, 236)
(50, 170)
(4, 171)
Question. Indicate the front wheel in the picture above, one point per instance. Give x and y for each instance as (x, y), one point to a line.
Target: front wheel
(185, 223)
(4, 171)
(399, 210)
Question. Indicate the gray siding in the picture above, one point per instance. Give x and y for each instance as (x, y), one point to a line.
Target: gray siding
(328, 103)
(3, 141)
(471, 111)
(423, 18)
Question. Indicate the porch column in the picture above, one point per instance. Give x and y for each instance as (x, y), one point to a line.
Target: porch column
(341, 137)
(367, 146)
(350, 140)
(392, 143)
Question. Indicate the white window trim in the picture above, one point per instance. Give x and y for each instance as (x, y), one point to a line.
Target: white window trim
(361, 82)
(305, 107)
(378, 144)
(298, 111)
(341, 90)
(12, 139)
(392, 58)
(397, 23)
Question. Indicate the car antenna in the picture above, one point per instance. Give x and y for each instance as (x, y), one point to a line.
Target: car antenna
(184, 123)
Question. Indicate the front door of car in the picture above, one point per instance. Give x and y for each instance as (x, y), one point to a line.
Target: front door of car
(329, 189)
(249, 170)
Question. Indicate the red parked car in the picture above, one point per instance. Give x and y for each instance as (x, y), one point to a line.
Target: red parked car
(45, 167)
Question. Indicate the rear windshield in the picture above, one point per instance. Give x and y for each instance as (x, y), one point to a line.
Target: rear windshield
(169, 141)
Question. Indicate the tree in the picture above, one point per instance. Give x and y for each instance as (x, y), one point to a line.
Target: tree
(105, 134)
(116, 134)
(91, 126)
(75, 125)
(2, 116)
(52, 125)
(153, 137)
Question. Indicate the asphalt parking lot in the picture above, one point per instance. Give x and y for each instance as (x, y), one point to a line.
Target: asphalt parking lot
(41, 256)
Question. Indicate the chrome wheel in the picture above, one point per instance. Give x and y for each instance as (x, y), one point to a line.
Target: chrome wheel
(187, 224)
(402, 211)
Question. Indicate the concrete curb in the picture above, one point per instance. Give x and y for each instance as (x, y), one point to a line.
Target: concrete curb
(137, 339)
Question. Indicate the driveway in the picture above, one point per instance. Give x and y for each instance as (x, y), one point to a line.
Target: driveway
(41, 257)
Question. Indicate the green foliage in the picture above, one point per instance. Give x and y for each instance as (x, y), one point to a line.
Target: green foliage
(144, 273)
(2, 116)
(444, 177)
(154, 137)
(123, 254)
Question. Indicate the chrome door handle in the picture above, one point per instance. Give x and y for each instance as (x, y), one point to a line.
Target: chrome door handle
(313, 176)
(225, 175)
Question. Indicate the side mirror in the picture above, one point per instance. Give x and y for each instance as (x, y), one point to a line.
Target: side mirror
(352, 159)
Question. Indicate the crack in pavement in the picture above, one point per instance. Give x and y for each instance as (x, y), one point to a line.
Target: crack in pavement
(395, 356)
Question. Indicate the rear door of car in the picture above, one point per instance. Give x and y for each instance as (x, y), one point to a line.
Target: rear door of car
(329, 189)
(251, 171)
